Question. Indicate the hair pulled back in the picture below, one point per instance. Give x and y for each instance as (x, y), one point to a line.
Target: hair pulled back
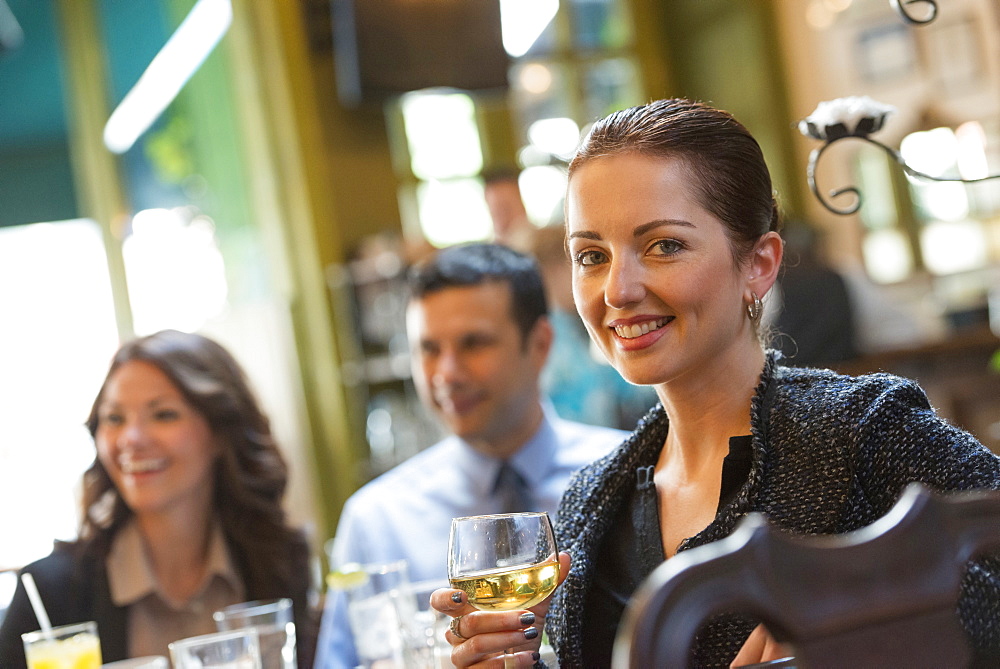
(731, 176)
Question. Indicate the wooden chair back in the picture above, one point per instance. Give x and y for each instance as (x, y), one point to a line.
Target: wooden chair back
(884, 595)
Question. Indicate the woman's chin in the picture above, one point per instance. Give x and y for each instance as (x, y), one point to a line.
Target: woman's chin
(640, 377)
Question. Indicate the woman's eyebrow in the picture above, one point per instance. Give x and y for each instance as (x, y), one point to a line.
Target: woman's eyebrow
(639, 230)
(660, 222)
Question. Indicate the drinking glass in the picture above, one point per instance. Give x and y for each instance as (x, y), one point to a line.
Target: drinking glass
(74, 646)
(504, 561)
(275, 626)
(238, 649)
(430, 651)
(382, 609)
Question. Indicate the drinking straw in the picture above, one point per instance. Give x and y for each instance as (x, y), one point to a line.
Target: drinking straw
(36, 602)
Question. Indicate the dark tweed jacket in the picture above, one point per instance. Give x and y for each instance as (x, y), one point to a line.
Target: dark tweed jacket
(831, 454)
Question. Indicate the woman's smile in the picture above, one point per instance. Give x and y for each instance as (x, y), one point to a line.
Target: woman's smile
(635, 330)
(635, 334)
(132, 465)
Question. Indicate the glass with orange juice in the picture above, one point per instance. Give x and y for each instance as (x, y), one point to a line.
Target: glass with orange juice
(74, 646)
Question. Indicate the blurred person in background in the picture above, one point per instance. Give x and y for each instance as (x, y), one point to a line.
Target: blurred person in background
(816, 318)
(181, 512)
(502, 192)
(823, 316)
(577, 379)
(479, 333)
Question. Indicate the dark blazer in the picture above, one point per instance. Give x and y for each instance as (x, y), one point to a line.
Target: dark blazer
(73, 590)
(831, 454)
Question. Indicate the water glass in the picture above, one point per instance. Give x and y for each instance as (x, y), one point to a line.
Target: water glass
(382, 608)
(239, 649)
(75, 646)
(275, 627)
(429, 649)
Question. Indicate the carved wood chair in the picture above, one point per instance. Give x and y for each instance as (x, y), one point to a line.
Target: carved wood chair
(884, 595)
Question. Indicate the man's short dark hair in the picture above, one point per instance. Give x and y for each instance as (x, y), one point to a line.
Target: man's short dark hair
(479, 263)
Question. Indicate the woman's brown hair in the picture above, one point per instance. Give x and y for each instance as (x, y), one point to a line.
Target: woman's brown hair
(730, 173)
(250, 474)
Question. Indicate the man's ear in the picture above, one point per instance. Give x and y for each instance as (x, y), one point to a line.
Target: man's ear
(539, 341)
(765, 261)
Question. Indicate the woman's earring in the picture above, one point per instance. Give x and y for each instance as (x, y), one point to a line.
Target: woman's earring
(755, 308)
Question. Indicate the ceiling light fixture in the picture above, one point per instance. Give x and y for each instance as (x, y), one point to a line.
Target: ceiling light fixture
(182, 55)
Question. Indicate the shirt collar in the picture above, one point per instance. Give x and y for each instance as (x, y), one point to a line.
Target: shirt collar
(533, 461)
(130, 572)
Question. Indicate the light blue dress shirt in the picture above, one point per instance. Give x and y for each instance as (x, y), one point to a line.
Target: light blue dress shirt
(406, 513)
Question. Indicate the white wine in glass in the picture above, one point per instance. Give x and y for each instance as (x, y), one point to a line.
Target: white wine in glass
(503, 561)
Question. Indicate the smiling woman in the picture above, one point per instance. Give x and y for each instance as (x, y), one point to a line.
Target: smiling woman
(660, 247)
(672, 228)
(182, 508)
(156, 448)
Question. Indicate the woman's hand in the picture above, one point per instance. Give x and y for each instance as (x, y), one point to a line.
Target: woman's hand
(759, 647)
(482, 636)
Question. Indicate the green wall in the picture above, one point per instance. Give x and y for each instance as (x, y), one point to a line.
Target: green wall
(725, 53)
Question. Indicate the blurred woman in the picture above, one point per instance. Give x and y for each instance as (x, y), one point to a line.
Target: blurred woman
(182, 509)
(672, 228)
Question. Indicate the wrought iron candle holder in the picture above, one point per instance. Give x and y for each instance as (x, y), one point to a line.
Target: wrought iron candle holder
(901, 7)
(855, 118)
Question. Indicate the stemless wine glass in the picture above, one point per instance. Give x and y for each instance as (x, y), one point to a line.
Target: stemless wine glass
(504, 561)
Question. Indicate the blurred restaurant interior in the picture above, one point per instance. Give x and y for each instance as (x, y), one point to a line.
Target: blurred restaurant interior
(268, 181)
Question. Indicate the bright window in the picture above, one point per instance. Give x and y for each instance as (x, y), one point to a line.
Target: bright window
(887, 255)
(442, 135)
(175, 272)
(453, 212)
(952, 227)
(954, 217)
(951, 247)
(542, 189)
(572, 63)
(523, 21)
(445, 155)
(558, 137)
(54, 352)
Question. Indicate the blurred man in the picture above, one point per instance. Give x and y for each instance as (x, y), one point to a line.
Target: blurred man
(479, 335)
(511, 225)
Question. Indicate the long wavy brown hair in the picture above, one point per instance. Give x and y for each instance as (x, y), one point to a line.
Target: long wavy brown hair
(250, 475)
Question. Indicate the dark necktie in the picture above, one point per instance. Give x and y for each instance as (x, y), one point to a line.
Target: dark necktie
(512, 491)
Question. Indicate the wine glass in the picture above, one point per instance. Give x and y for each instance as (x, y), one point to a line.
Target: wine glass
(503, 561)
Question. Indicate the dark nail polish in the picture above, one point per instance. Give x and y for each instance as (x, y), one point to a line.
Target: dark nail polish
(530, 633)
(536, 656)
(527, 618)
(456, 597)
